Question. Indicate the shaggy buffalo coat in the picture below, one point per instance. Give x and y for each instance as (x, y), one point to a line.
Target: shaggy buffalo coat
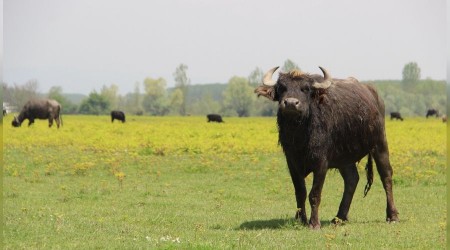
(118, 115)
(328, 123)
(39, 109)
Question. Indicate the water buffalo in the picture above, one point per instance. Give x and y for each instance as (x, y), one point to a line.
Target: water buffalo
(396, 115)
(326, 123)
(118, 115)
(39, 109)
(432, 112)
(214, 118)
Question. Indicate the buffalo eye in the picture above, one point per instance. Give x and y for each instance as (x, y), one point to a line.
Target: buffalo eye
(305, 90)
(280, 89)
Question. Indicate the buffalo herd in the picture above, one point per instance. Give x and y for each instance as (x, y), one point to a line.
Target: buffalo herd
(323, 123)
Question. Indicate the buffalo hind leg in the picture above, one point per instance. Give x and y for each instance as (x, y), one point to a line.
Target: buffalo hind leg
(351, 178)
(58, 121)
(385, 171)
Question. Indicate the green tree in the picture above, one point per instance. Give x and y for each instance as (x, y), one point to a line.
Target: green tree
(155, 102)
(111, 94)
(411, 76)
(56, 93)
(205, 105)
(182, 82)
(94, 104)
(17, 95)
(238, 96)
(133, 101)
(411, 72)
(289, 65)
(176, 101)
(255, 77)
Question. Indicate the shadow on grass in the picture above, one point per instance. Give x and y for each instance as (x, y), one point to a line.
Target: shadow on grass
(275, 224)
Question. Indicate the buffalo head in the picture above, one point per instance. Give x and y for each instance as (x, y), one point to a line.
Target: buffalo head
(294, 91)
(16, 122)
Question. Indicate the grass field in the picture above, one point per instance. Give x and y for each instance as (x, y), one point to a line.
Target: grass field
(182, 183)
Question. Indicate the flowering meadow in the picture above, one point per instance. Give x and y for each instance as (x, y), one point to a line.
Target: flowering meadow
(180, 182)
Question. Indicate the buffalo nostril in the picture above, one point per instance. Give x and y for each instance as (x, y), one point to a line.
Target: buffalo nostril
(291, 102)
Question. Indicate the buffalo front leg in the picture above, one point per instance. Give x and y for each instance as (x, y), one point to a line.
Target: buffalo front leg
(385, 171)
(315, 197)
(351, 179)
(300, 193)
(300, 196)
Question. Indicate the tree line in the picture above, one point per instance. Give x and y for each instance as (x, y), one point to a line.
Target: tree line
(411, 96)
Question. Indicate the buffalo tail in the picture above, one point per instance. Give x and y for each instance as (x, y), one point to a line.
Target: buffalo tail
(369, 172)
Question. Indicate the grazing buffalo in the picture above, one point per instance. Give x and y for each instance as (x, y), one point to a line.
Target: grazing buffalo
(214, 118)
(118, 115)
(444, 118)
(396, 115)
(39, 109)
(326, 123)
(432, 112)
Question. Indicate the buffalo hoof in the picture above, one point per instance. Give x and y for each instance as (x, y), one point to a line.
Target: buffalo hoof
(314, 227)
(338, 221)
(301, 217)
(392, 220)
(392, 217)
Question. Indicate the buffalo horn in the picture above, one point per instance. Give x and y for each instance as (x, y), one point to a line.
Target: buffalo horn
(326, 80)
(267, 80)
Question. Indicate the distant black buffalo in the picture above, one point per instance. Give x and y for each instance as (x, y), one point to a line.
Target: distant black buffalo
(118, 115)
(324, 123)
(432, 112)
(214, 118)
(39, 109)
(396, 115)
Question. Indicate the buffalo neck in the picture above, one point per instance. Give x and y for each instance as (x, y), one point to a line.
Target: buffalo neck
(21, 117)
(292, 129)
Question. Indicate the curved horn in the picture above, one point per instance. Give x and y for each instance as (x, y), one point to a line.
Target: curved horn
(326, 80)
(267, 79)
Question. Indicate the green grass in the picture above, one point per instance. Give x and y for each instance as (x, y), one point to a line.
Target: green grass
(74, 196)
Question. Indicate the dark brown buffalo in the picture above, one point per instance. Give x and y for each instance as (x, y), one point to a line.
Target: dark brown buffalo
(432, 112)
(328, 123)
(396, 115)
(118, 115)
(214, 118)
(39, 109)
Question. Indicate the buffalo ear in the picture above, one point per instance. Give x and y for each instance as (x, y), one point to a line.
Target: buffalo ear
(266, 91)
